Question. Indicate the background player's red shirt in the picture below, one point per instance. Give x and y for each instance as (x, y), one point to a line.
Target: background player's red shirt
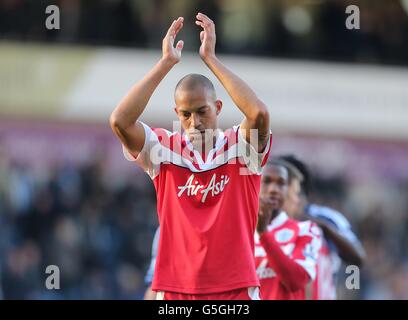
(329, 262)
(324, 287)
(295, 248)
(207, 210)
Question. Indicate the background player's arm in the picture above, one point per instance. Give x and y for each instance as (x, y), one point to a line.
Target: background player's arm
(290, 273)
(123, 119)
(149, 294)
(350, 252)
(255, 111)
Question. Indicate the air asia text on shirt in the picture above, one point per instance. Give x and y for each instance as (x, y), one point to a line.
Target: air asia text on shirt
(193, 187)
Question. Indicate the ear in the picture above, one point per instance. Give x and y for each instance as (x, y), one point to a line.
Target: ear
(175, 110)
(218, 106)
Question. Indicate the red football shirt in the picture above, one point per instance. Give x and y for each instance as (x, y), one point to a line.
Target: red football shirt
(300, 242)
(324, 287)
(207, 210)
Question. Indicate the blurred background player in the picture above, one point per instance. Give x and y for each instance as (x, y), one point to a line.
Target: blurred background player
(195, 174)
(286, 250)
(150, 294)
(339, 241)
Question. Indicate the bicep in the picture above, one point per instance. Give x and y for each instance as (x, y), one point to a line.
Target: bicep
(256, 132)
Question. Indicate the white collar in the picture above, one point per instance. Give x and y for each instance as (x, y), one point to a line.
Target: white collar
(279, 220)
(219, 142)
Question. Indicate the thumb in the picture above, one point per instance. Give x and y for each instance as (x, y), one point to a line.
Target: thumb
(202, 36)
(180, 45)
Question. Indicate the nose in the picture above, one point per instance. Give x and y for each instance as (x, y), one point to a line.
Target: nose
(195, 121)
(273, 188)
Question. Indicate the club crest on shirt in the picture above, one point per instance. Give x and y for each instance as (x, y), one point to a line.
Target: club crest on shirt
(284, 235)
(192, 187)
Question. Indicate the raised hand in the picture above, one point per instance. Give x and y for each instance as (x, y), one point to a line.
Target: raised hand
(171, 53)
(207, 36)
(264, 214)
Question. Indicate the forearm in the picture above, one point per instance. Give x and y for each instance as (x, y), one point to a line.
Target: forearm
(291, 274)
(133, 104)
(348, 251)
(242, 95)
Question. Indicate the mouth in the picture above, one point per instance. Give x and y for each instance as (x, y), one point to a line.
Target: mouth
(275, 201)
(197, 133)
(197, 130)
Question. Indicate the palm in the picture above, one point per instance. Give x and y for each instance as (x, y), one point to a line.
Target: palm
(207, 36)
(171, 52)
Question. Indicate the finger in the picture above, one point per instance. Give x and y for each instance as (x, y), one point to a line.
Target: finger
(176, 23)
(206, 27)
(200, 24)
(179, 25)
(170, 30)
(204, 18)
(177, 30)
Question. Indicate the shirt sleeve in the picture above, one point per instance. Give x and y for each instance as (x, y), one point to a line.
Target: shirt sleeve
(155, 247)
(253, 159)
(152, 153)
(307, 247)
(290, 273)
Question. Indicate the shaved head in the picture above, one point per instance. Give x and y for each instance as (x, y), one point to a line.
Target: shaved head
(197, 108)
(193, 82)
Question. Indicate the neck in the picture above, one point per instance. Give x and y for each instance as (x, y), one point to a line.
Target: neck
(205, 146)
(275, 213)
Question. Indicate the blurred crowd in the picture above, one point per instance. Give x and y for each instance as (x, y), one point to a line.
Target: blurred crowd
(99, 233)
(377, 212)
(312, 29)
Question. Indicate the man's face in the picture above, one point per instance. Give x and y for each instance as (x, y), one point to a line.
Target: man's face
(293, 200)
(274, 186)
(197, 111)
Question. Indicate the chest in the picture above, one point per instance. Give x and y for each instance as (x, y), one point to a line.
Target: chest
(199, 186)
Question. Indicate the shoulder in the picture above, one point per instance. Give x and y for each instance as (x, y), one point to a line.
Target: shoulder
(161, 133)
(328, 214)
(166, 138)
(309, 228)
(231, 133)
